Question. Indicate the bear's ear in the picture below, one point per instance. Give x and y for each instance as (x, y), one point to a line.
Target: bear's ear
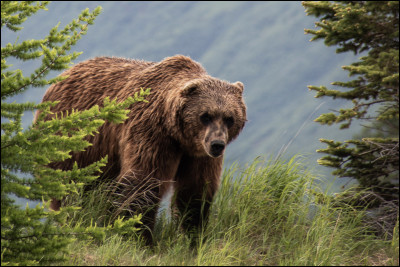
(189, 88)
(239, 85)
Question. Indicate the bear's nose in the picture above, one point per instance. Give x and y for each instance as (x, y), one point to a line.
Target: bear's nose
(217, 147)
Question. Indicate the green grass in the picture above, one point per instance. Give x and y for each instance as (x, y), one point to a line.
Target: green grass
(263, 214)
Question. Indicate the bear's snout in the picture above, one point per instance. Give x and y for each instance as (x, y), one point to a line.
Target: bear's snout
(216, 137)
(217, 148)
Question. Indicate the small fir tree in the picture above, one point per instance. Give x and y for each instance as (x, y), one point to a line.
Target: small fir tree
(371, 27)
(36, 235)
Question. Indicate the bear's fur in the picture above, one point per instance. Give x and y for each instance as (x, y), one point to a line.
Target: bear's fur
(178, 137)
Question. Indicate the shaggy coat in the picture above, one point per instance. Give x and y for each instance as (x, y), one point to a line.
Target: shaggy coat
(178, 137)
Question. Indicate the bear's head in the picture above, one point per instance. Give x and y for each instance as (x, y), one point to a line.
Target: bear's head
(211, 114)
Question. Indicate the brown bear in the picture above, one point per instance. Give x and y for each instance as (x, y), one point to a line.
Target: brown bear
(176, 138)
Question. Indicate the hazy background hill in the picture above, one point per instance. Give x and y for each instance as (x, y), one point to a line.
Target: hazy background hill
(261, 44)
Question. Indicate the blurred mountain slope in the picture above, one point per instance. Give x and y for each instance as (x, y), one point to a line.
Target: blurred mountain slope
(261, 44)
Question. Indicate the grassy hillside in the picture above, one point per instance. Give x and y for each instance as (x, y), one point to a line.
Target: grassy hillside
(263, 214)
(261, 44)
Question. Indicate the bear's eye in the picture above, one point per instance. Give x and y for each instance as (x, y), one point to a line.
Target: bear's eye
(229, 121)
(206, 118)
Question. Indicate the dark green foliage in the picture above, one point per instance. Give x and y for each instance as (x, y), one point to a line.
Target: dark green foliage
(373, 27)
(36, 235)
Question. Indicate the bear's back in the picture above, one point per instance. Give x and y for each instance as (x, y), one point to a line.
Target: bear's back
(89, 82)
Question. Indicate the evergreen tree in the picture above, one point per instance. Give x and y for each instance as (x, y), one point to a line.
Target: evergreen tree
(36, 235)
(371, 27)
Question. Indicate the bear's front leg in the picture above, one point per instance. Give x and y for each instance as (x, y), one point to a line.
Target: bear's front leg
(146, 173)
(138, 194)
(197, 180)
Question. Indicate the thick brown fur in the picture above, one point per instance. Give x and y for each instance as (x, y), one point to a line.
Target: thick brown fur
(178, 137)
